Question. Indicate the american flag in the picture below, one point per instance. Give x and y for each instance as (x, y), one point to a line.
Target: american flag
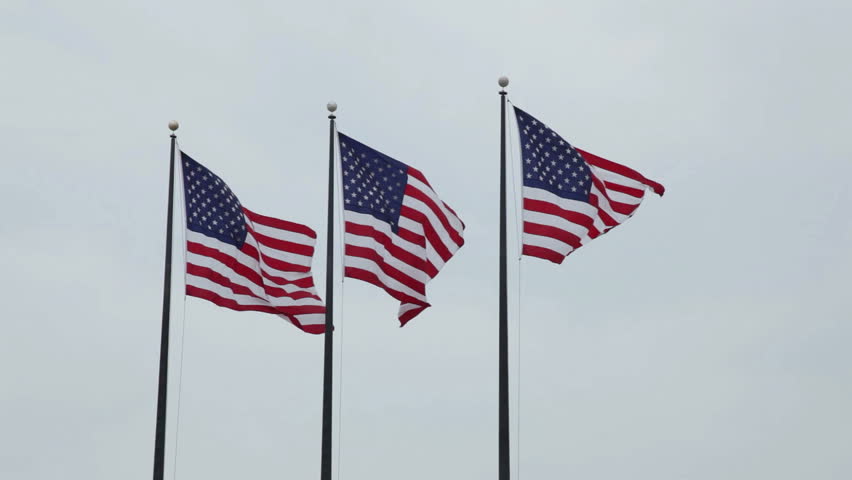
(571, 196)
(242, 260)
(398, 232)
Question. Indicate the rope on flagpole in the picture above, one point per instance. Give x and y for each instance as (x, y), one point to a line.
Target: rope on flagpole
(519, 245)
(341, 222)
(340, 386)
(514, 184)
(183, 318)
(518, 426)
(341, 228)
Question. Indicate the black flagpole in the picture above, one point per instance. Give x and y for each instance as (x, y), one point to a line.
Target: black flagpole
(325, 469)
(503, 400)
(160, 435)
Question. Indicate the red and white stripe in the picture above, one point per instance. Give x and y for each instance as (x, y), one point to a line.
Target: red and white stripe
(270, 273)
(555, 226)
(402, 263)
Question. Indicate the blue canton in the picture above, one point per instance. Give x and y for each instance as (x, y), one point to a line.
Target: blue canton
(373, 183)
(211, 208)
(551, 163)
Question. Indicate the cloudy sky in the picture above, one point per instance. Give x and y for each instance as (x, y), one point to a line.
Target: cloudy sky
(706, 338)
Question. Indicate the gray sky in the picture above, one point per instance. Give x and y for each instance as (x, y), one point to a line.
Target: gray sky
(706, 338)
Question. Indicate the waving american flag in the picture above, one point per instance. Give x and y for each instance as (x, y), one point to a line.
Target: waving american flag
(571, 196)
(242, 260)
(398, 232)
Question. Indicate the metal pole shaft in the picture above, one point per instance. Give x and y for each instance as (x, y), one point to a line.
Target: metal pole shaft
(160, 435)
(504, 324)
(325, 470)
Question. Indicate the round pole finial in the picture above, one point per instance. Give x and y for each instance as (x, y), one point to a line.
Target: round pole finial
(331, 106)
(173, 125)
(503, 81)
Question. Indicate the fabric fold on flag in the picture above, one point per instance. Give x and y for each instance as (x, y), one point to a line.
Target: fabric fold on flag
(571, 196)
(239, 259)
(398, 233)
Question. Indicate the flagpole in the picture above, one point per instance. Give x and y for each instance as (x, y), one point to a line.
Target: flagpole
(325, 469)
(503, 394)
(160, 434)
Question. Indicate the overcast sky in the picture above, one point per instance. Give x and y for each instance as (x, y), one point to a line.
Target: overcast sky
(706, 338)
